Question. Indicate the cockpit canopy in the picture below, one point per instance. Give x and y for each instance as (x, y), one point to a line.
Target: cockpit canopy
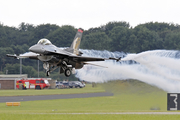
(44, 42)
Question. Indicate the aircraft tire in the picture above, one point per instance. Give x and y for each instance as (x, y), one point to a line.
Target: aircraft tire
(38, 87)
(67, 72)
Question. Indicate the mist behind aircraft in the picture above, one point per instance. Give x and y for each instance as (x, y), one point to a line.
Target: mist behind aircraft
(159, 68)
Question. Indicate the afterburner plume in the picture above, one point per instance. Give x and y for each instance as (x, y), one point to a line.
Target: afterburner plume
(158, 67)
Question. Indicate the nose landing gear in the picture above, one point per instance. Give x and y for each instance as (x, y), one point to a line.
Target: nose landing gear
(46, 67)
(47, 73)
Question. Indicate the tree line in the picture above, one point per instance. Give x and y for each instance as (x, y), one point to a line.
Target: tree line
(114, 36)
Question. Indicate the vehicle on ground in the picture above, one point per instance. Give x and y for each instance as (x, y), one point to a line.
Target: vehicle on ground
(59, 85)
(76, 84)
(33, 83)
(66, 85)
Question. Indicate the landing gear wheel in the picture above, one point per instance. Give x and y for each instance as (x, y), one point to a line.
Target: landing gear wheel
(47, 73)
(67, 72)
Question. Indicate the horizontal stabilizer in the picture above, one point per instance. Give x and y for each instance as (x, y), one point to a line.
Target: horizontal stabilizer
(30, 55)
(10, 55)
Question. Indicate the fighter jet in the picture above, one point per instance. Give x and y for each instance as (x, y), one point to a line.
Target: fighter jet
(67, 59)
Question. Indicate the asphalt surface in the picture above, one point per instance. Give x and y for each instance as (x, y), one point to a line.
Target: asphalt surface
(51, 97)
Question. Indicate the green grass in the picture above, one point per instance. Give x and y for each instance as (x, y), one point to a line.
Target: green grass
(118, 103)
(86, 117)
(87, 89)
(129, 97)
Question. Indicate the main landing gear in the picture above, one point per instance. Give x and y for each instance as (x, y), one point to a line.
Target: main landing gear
(67, 69)
(64, 68)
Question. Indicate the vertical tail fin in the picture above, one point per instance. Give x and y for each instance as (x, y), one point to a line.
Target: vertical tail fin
(77, 40)
(74, 48)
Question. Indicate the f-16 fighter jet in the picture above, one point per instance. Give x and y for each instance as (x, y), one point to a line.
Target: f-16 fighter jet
(67, 59)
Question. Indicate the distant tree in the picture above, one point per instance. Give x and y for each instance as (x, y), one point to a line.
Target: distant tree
(3, 58)
(109, 26)
(26, 27)
(120, 36)
(162, 29)
(159, 27)
(172, 41)
(133, 44)
(63, 36)
(97, 41)
(29, 70)
(41, 31)
(12, 68)
(15, 69)
(147, 40)
(18, 49)
(3, 36)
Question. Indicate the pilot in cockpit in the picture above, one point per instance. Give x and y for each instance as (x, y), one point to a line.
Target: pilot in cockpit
(44, 42)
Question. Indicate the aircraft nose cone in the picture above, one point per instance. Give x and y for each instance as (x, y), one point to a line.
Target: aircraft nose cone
(36, 49)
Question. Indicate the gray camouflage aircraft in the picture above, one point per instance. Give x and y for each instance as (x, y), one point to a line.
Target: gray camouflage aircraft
(67, 59)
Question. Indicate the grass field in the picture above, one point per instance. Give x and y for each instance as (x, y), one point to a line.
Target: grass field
(129, 97)
(87, 89)
(87, 117)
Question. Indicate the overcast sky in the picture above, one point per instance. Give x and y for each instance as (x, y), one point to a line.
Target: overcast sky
(88, 13)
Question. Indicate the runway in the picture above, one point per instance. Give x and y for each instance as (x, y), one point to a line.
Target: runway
(51, 97)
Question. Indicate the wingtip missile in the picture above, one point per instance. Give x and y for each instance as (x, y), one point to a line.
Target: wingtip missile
(10, 55)
(117, 59)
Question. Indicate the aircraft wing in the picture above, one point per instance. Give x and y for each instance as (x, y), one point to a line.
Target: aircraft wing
(30, 55)
(89, 59)
(79, 58)
(73, 56)
(86, 59)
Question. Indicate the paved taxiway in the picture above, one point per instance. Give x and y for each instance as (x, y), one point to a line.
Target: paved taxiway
(50, 97)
